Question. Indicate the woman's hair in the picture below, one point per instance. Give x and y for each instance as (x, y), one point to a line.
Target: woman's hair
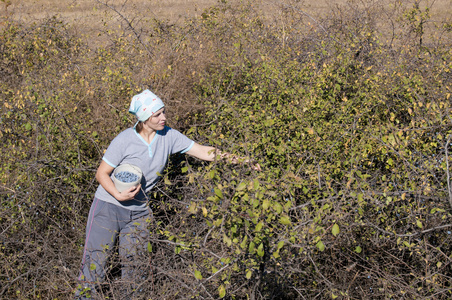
(139, 126)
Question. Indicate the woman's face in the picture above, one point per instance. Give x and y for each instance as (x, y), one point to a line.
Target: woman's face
(157, 121)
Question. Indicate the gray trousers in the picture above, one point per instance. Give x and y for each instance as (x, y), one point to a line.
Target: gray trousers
(106, 224)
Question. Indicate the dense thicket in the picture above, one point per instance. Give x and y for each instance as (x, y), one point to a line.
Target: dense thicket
(349, 114)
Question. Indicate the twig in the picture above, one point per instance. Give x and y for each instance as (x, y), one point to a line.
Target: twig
(411, 234)
(318, 271)
(173, 243)
(315, 21)
(217, 272)
(129, 24)
(449, 189)
(7, 188)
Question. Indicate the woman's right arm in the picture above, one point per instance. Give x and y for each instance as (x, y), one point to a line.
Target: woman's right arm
(103, 177)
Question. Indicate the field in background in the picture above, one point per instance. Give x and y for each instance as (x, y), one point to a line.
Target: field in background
(89, 11)
(91, 16)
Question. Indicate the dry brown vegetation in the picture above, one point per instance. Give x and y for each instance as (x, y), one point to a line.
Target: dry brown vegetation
(346, 105)
(89, 16)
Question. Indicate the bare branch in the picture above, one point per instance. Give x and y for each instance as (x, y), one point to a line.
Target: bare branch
(129, 24)
(449, 188)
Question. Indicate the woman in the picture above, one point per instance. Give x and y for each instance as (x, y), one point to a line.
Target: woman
(125, 215)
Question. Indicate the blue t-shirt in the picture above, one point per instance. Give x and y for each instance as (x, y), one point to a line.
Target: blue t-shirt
(129, 147)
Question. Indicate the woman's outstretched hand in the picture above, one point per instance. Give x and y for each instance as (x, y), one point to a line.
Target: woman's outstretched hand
(209, 153)
(256, 167)
(236, 160)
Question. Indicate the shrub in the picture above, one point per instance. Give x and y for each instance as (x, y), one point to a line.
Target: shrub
(350, 124)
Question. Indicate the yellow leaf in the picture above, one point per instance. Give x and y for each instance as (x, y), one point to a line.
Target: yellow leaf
(221, 291)
(191, 178)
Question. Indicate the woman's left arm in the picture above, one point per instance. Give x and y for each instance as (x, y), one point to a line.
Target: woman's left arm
(209, 153)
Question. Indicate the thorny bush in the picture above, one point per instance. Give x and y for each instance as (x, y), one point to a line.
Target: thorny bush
(349, 118)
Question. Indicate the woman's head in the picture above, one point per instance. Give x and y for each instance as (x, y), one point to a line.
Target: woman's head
(155, 123)
(145, 105)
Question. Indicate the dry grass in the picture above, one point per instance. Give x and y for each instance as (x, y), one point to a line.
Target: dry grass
(89, 10)
(91, 16)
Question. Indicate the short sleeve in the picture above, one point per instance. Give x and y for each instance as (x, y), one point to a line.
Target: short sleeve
(179, 142)
(115, 151)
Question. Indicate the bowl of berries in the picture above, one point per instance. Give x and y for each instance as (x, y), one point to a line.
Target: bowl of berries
(126, 176)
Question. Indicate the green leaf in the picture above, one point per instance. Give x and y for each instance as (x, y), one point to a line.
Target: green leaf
(192, 209)
(390, 162)
(251, 247)
(285, 220)
(149, 247)
(198, 275)
(419, 223)
(358, 249)
(259, 226)
(280, 244)
(278, 208)
(227, 240)
(241, 186)
(218, 222)
(269, 122)
(335, 230)
(92, 267)
(320, 245)
(218, 193)
(256, 184)
(391, 139)
(260, 250)
(248, 274)
(243, 243)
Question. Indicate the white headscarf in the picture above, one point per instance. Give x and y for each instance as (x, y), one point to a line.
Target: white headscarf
(145, 104)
